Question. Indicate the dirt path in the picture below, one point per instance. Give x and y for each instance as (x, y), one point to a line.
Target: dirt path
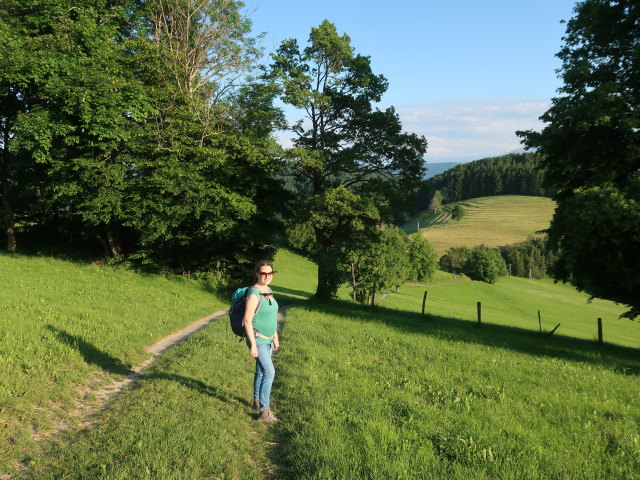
(110, 392)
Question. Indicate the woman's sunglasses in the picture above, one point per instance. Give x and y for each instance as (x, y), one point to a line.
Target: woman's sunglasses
(265, 274)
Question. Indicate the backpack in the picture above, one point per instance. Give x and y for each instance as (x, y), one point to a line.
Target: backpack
(237, 309)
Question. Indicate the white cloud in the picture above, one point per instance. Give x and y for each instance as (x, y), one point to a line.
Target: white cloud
(463, 130)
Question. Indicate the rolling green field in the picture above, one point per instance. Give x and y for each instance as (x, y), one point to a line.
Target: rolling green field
(362, 392)
(492, 221)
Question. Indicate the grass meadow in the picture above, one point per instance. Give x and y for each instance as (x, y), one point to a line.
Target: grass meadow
(492, 221)
(362, 392)
(68, 328)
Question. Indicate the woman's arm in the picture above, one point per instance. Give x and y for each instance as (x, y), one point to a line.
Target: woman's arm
(276, 341)
(249, 312)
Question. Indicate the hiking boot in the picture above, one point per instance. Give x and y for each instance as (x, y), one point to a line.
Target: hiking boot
(256, 404)
(267, 416)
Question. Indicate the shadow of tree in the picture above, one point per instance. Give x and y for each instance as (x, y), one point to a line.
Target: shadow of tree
(624, 360)
(197, 386)
(90, 353)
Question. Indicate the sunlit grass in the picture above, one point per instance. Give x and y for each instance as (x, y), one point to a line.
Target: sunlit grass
(369, 393)
(492, 221)
(66, 328)
(362, 392)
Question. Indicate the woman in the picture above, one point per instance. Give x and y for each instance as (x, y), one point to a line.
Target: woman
(262, 337)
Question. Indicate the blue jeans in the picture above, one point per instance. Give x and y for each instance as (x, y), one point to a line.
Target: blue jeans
(263, 379)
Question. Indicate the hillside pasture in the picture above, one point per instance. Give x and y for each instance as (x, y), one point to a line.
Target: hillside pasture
(362, 392)
(67, 329)
(492, 221)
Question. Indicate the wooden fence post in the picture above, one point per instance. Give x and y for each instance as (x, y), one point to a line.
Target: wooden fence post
(539, 321)
(599, 330)
(424, 301)
(479, 314)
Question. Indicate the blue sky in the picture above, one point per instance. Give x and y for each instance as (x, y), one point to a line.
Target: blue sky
(465, 74)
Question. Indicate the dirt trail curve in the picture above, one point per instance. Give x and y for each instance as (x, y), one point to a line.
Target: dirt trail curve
(111, 391)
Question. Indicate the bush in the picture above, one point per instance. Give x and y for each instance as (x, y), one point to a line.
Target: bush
(422, 258)
(454, 259)
(485, 264)
(458, 212)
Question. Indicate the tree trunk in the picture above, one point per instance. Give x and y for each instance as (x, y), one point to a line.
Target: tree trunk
(9, 227)
(353, 280)
(9, 224)
(373, 295)
(323, 290)
(114, 243)
(105, 246)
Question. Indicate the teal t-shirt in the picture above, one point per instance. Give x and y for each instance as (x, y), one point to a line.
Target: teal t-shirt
(266, 320)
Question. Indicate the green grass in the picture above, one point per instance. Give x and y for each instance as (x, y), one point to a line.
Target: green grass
(492, 221)
(381, 394)
(362, 392)
(67, 328)
(515, 302)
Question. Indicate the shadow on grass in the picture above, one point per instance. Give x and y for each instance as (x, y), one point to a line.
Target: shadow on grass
(624, 360)
(90, 353)
(197, 386)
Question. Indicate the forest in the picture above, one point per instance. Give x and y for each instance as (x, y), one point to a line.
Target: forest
(511, 174)
(142, 132)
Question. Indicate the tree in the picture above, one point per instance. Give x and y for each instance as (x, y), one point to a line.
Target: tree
(207, 153)
(342, 140)
(378, 263)
(422, 258)
(485, 264)
(592, 155)
(458, 212)
(454, 259)
(67, 72)
(435, 205)
(346, 224)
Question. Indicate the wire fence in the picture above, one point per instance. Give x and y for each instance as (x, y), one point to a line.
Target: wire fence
(538, 320)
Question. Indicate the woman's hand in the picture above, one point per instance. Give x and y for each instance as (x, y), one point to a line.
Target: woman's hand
(275, 345)
(254, 351)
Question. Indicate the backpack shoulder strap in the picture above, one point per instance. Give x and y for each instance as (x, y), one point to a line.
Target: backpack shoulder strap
(259, 295)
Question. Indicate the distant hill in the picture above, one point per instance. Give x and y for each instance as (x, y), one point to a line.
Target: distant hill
(434, 169)
(492, 221)
(511, 174)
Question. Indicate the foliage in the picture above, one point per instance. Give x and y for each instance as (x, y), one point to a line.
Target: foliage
(132, 127)
(485, 264)
(529, 258)
(458, 212)
(422, 258)
(592, 160)
(343, 140)
(378, 263)
(512, 174)
(454, 259)
(435, 205)
(342, 222)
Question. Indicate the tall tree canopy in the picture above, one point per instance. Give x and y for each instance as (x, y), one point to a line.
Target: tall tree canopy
(127, 120)
(342, 139)
(591, 145)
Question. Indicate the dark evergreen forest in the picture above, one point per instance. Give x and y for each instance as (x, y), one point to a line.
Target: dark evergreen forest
(511, 174)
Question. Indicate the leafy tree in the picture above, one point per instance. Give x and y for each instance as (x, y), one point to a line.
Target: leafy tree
(345, 222)
(592, 158)
(69, 73)
(531, 256)
(458, 212)
(342, 140)
(422, 258)
(454, 259)
(379, 263)
(485, 264)
(435, 205)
